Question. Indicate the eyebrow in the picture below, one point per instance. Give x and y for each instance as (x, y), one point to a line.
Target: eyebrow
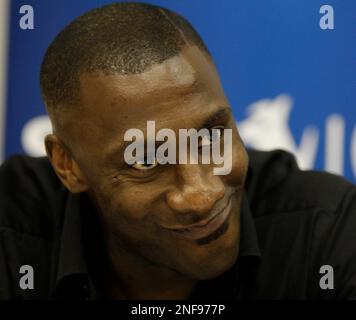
(212, 119)
(117, 150)
(221, 113)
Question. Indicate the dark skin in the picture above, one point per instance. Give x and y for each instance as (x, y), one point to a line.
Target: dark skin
(145, 260)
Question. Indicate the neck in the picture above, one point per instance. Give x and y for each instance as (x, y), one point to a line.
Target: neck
(133, 277)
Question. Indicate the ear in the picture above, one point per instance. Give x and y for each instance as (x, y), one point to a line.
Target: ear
(64, 165)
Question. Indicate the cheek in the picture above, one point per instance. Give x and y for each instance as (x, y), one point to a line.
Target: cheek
(127, 206)
(131, 219)
(125, 218)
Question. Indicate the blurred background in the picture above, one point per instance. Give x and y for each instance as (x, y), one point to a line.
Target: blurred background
(288, 69)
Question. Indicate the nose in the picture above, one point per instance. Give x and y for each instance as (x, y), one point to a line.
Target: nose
(197, 189)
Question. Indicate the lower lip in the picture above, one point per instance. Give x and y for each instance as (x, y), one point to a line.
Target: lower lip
(201, 232)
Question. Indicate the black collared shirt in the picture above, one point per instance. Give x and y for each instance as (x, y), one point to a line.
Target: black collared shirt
(293, 223)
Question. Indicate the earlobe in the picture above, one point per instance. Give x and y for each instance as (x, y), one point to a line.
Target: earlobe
(65, 165)
(79, 182)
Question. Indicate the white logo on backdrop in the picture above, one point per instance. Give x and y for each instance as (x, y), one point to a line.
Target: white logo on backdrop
(33, 135)
(265, 128)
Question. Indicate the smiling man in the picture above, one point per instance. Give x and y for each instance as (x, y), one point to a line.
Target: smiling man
(93, 226)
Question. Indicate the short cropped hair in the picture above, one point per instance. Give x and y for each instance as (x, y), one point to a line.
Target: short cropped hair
(124, 38)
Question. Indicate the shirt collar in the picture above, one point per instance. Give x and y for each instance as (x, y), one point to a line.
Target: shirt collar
(248, 235)
(71, 261)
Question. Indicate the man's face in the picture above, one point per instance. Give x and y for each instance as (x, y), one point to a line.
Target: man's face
(139, 204)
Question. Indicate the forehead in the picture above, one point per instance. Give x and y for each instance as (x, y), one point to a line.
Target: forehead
(179, 89)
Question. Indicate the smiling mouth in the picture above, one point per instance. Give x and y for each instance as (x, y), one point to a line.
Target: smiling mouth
(204, 228)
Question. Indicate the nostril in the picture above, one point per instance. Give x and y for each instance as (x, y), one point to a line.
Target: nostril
(190, 200)
(197, 191)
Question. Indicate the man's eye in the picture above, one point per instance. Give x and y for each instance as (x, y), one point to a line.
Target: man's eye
(215, 136)
(144, 165)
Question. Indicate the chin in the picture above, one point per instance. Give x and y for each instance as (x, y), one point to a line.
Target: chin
(217, 268)
(222, 257)
(225, 252)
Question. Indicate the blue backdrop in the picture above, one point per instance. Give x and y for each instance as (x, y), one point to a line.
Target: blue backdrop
(291, 83)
